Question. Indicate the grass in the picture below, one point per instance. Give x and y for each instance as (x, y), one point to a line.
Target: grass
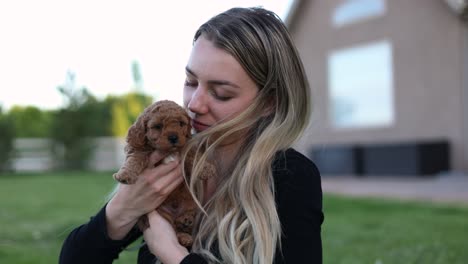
(384, 231)
(37, 211)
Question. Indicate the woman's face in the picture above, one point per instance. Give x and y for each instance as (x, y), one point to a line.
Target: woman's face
(216, 87)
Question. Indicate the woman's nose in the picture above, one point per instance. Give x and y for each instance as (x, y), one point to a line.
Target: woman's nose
(198, 102)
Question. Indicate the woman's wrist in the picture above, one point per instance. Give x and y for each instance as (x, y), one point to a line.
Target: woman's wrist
(118, 223)
(173, 255)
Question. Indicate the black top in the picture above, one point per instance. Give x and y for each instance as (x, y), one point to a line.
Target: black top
(299, 203)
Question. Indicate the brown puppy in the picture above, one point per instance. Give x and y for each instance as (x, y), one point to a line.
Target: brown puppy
(163, 126)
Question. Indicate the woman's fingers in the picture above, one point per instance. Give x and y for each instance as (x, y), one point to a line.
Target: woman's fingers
(165, 185)
(157, 183)
(160, 228)
(154, 158)
(151, 189)
(151, 175)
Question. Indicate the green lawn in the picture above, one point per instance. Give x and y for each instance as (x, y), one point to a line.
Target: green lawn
(38, 210)
(372, 231)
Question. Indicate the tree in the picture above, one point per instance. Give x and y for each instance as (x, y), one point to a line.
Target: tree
(71, 129)
(125, 110)
(74, 97)
(84, 117)
(137, 77)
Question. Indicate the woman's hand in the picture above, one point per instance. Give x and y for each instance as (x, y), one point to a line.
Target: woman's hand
(162, 240)
(149, 191)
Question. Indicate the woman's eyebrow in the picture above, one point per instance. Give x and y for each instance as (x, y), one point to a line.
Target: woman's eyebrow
(189, 71)
(213, 82)
(221, 82)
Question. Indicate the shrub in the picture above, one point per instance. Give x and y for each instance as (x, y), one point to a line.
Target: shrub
(7, 135)
(30, 121)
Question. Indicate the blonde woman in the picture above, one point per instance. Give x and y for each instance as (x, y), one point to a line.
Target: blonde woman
(249, 99)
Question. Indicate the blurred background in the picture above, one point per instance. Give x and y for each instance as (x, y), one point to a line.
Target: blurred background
(389, 128)
(390, 83)
(89, 68)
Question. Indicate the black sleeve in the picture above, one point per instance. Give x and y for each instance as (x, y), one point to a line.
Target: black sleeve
(299, 204)
(193, 258)
(90, 243)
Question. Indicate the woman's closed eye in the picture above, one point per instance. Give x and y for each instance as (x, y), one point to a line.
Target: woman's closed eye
(218, 92)
(189, 83)
(220, 95)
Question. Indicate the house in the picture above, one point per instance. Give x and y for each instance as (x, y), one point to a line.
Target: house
(389, 84)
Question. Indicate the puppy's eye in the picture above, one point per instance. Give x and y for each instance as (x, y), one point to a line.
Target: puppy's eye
(157, 126)
(182, 123)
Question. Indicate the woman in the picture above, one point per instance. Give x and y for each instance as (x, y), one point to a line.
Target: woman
(248, 96)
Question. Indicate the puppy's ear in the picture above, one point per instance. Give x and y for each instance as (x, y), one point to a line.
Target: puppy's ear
(136, 136)
(188, 133)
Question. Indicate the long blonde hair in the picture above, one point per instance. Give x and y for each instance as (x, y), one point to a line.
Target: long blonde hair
(241, 224)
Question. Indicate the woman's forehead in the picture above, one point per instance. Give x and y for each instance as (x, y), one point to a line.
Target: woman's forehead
(206, 58)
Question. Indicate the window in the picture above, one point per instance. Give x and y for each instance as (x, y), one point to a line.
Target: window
(356, 10)
(361, 86)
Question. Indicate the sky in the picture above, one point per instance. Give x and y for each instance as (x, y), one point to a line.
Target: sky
(97, 40)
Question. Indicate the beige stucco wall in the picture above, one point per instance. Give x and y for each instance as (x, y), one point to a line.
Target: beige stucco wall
(465, 99)
(427, 42)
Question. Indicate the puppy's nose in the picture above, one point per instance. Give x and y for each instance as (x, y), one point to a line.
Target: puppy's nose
(173, 139)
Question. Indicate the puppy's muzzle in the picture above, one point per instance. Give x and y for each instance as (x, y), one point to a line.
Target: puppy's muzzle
(173, 139)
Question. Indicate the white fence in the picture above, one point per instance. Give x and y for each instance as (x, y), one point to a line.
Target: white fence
(35, 154)
(108, 154)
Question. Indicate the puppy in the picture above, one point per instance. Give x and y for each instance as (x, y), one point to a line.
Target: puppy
(163, 126)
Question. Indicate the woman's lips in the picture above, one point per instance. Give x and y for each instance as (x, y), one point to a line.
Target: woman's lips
(198, 126)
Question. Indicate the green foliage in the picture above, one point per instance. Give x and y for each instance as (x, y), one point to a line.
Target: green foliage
(98, 117)
(73, 96)
(7, 134)
(30, 121)
(110, 117)
(72, 145)
(125, 110)
(85, 117)
(71, 128)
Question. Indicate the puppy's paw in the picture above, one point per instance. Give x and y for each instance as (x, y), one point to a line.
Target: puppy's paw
(185, 239)
(124, 178)
(208, 171)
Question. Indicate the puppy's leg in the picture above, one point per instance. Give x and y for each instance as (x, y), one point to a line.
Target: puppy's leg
(185, 239)
(184, 223)
(184, 226)
(209, 170)
(134, 164)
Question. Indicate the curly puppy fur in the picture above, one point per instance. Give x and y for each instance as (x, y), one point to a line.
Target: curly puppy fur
(163, 126)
